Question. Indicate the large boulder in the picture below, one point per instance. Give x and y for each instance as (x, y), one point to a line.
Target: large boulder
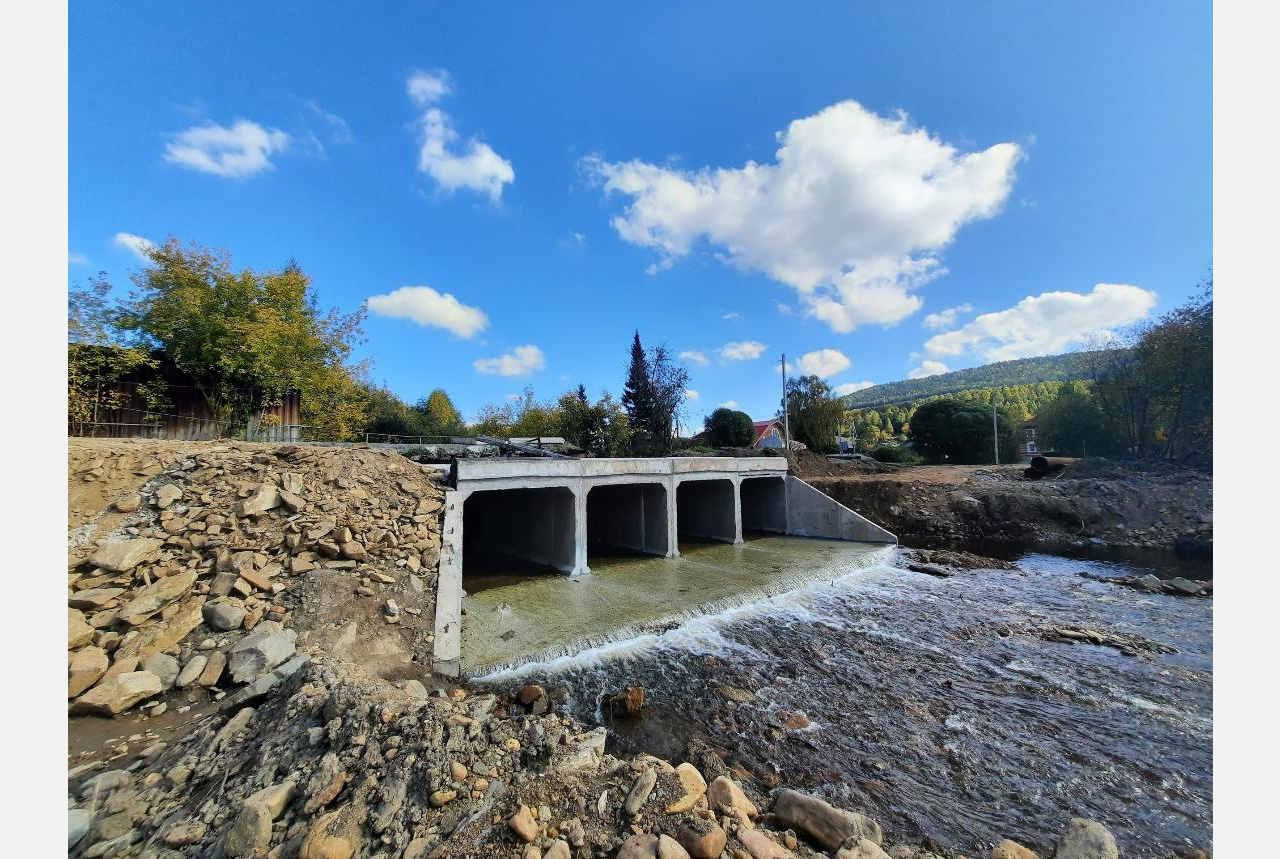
(78, 820)
(825, 824)
(265, 499)
(159, 637)
(704, 839)
(120, 556)
(695, 787)
(87, 667)
(261, 650)
(639, 792)
(1086, 839)
(1008, 849)
(727, 798)
(79, 633)
(155, 596)
(861, 848)
(641, 846)
(163, 666)
(190, 672)
(167, 494)
(224, 615)
(117, 694)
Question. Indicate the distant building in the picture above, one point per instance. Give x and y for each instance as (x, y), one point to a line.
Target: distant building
(770, 433)
(1028, 447)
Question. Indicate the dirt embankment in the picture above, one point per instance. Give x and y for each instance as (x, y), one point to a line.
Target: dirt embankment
(1090, 502)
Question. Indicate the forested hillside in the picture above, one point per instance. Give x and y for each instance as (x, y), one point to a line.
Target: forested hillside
(873, 426)
(1024, 371)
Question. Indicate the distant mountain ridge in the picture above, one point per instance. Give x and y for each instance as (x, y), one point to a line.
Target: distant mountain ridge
(1023, 371)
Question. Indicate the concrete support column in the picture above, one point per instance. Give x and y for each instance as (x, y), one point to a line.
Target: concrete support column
(580, 567)
(673, 524)
(737, 511)
(448, 641)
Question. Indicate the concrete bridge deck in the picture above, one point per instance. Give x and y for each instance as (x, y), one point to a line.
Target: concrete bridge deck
(550, 513)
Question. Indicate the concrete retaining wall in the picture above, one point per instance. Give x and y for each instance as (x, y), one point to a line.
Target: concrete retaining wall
(810, 513)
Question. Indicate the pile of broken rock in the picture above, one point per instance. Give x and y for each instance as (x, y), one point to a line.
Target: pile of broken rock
(196, 585)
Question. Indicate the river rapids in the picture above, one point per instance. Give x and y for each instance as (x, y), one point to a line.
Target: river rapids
(932, 704)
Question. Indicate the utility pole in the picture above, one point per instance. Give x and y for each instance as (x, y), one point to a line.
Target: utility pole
(995, 429)
(786, 412)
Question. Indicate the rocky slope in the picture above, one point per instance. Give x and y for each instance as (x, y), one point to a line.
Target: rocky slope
(1170, 508)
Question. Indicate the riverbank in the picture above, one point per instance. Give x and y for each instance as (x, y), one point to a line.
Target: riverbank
(1093, 502)
(262, 649)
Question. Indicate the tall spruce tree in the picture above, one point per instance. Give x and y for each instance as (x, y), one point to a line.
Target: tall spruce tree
(637, 394)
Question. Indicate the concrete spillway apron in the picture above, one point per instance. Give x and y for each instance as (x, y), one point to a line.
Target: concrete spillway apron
(546, 511)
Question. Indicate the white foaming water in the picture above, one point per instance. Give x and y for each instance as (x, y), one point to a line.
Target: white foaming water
(698, 632)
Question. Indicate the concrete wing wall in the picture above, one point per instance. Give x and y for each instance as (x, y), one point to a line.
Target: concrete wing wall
(810, 513)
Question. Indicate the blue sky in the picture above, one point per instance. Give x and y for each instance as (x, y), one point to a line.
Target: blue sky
(958, 183)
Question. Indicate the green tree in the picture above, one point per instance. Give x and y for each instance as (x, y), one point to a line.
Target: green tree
(729, 428)
(601, 428)
(951, 430)
(246, 337)
(637, 396)
(814, 413)
(1073, 425)
(441, 417)
(98, 362)
(653, 396)
(390, 415)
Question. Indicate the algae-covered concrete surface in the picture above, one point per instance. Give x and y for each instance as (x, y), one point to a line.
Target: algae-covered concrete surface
(543, 616)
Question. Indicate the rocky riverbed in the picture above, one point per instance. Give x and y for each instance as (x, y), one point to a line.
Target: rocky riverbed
(248, 631)
(955, 710)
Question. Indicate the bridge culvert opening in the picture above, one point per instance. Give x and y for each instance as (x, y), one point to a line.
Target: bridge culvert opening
(705, 511)
(764, 505)
(517, 532)
(627, 519)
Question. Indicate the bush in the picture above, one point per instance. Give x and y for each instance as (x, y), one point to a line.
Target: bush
(729, 428)
(896, 453)
(955, 431)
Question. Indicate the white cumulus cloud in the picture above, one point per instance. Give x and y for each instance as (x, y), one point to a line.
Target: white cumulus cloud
(1046, 324)
(729, 404)
(426, 306)
(74, 258)
(853, 213)
(235, 152)
(691, 394)
(473, 166)
(744, 350)
(928, 368)
(946, 318)
(851, 387)
(520, 361)
(693, 356)
(137, 245)
(824, 362)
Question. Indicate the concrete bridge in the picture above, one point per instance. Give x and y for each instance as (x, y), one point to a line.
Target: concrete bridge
(553, 512)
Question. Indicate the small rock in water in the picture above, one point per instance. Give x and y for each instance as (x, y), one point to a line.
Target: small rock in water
(824, 823)
(1007, 849)
(629, 702)
(1086, 839)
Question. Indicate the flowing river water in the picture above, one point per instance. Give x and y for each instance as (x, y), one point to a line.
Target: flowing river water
(931, 704)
